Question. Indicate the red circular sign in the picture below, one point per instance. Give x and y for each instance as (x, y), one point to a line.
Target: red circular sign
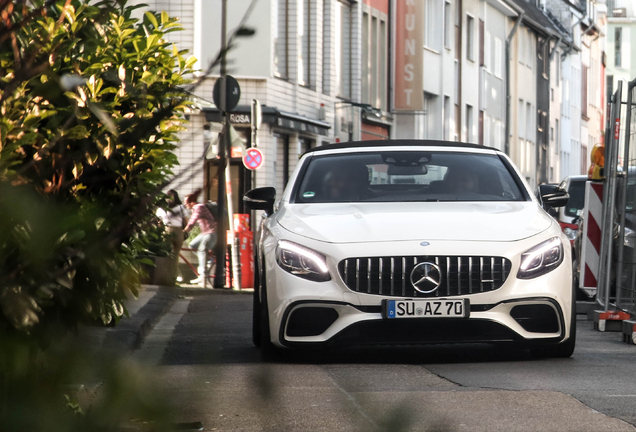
(253, 158)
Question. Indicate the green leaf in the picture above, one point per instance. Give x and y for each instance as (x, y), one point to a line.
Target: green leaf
(77, 132)
(152, 19)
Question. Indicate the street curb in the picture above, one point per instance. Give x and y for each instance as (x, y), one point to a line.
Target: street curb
(130, 333)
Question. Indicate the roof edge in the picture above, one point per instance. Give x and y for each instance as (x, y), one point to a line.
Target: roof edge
(399, 142)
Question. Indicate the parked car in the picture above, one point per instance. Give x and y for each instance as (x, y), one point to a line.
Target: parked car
(410, 242)
(568, 215)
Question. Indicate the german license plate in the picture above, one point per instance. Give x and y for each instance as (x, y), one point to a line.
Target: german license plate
(442, 308)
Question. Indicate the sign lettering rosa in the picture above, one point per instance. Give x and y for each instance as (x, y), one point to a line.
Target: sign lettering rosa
(409, 55)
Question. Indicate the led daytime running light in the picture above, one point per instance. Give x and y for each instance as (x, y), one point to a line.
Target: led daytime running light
(528, 259)
(315, 257)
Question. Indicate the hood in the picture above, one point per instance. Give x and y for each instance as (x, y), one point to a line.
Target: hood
(378, 222)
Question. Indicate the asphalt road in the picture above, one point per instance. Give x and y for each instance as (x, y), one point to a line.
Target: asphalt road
(203, 356)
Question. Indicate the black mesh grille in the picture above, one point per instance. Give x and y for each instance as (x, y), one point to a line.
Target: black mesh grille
(391, 276)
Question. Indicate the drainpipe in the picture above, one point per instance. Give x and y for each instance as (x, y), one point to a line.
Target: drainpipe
(508, 41)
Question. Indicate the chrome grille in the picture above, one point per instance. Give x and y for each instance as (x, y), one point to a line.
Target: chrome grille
(391, 276)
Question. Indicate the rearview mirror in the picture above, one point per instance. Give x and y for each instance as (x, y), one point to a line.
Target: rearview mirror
(553, 196)
(261, 199)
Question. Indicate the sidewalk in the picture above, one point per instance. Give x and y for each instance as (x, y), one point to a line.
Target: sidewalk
(144, 312)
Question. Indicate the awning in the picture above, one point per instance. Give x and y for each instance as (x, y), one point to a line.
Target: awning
(241, 116)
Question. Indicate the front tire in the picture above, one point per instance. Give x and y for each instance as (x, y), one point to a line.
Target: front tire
(256, 308)
(269, 352)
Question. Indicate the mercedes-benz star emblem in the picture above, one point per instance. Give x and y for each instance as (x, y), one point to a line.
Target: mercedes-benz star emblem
(426, 277)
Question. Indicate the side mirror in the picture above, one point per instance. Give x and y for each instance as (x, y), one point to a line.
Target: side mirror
(554, 196)
(261, 199)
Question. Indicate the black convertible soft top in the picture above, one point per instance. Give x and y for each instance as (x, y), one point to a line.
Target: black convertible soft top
(398, 142)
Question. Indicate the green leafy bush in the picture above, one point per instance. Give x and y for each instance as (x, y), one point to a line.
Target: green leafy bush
(90, 106)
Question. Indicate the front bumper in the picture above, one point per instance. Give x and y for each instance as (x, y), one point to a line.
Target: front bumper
(358, 319)
(364, 325)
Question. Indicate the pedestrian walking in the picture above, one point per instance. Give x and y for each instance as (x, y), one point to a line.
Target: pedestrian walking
(207, 239)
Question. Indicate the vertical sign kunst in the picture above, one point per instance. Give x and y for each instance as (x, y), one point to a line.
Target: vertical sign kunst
(409, 55)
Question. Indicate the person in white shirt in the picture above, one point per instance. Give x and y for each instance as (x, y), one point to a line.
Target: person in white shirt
(175, 218)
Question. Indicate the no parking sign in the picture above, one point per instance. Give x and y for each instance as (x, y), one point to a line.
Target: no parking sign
(253, 158)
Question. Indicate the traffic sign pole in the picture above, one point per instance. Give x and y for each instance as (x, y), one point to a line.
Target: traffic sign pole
(221, 240)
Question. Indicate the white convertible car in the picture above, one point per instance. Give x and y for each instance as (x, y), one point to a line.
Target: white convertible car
(410, 242)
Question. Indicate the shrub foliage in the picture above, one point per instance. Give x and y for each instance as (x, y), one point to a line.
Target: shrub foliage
(90, 105)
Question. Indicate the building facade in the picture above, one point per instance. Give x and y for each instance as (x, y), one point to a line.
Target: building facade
(525, 77)
(319, 68)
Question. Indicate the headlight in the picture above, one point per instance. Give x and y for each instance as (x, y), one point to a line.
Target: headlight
(541, 259)
(302, 262)
(570, 233)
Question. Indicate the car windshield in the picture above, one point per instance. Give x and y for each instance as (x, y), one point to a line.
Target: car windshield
(405, 176)
(577, 198)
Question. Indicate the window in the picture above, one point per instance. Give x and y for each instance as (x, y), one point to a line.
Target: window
(282, 160)
(558, 69)
(584, 90)
(469, 123)
(365, 66)
(304, 41)
(520, 117)
(374, 62)
(565, 104)
(281, 45)
(551, 133)
(529, 126)
(382, 66)
(618, 40)
(470, 38)
(374, 58)
(458, 126)
(556, 136)
(326, 48)
(432, 30)
(530, 51)
(383, 177)
(343, 48)
(521, 45)
(552, 94)
(498, 58)
(447, 118)
(429, 111)
(487, 131)
(447, 25)
(482, 36)
(487, 53)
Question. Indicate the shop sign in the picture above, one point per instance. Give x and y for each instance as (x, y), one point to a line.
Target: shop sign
(240, 119)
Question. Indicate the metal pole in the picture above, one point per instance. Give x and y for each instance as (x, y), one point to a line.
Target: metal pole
(600, 293)
(221, 237)
(623, 197)
(236, 264)
(610, 198)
